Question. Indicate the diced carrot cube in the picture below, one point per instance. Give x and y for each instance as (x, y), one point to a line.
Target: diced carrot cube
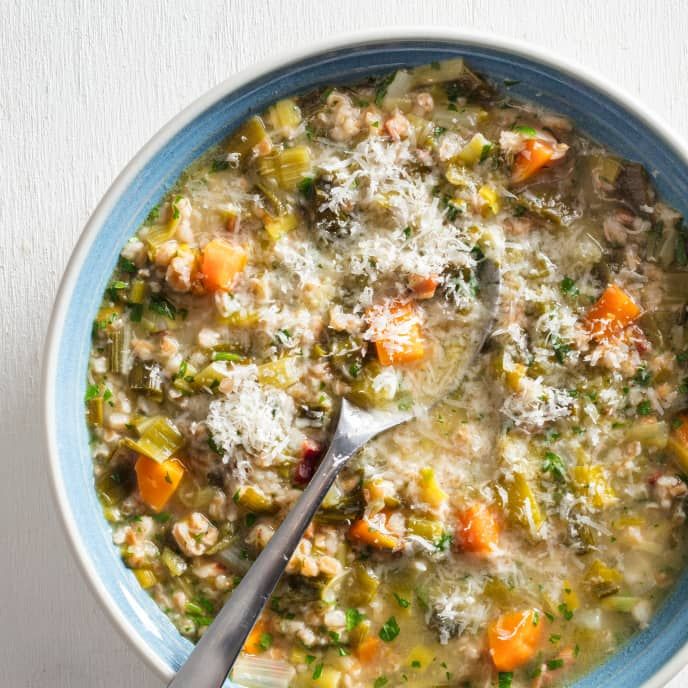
(423, 287)
(514, 638)
(531, 159)
(252, 645)
(399, 337)
(157, 481)
(478, 529)
(612, 313)
(220, 264)
(373, 531)
(368, 649)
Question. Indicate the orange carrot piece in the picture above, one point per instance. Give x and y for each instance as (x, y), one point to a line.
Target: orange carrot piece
(531, 159)
(221, 263)
(368, 649)
(612, 313)
(372, 531)
(514, 638)
(478, 530)
(400, 339)
(252, 645)
(423, 287)
(157, 481)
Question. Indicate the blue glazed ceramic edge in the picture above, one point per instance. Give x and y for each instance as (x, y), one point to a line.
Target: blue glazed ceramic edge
(604, 116)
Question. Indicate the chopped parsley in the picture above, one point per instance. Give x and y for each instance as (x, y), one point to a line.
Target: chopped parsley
(317, 672)
(265, 641)
(381, 89)
(380, 681)
(644, 408)
(555, 466)
(642, 377)
(219, 165)
(307, 187)
(353, 618)
(526, 131)
(568, 286)
(401, 601)
(153, 214)
(565, 611)
(92, 392)
(554, 664)
(485, 152)
(505, 678)
(390, 630)
(161, 306)
(442, 543)
(126, 265)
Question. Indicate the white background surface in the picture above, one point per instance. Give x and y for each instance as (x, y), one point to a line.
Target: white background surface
(82, 87)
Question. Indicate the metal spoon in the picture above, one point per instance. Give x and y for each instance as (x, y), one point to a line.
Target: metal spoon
(215, 653)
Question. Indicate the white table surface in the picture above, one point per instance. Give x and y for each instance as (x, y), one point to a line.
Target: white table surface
(83, 85)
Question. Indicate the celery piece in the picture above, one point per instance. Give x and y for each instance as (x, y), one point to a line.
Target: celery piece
(423, 129)
(278, 226)
(247, 136)
(210, 377)
(137, 291)
(620, 603)
(156, 235)
(255, 500)
(473, 151)
(281, 373)
(146, 377)
(194, 496)
(603, 580)
(114, 485)
(287, 167)
(241, 319)
(590, 482)
(174, 563)
(522, 505)
(252, 670)
(159, 441)
(347, 508)
(145, 577)
(229, 356)
(184, 378)
(362, 585)
(653, 435)
(115, 348)
(285, 116)
(608, 169)
(426, 528)
(466, 117)
(95, 411)
(439, 72)
(275, 201)
(395, 94)
(363, 391)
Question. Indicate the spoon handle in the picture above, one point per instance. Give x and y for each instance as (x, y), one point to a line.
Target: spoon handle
(212, 658)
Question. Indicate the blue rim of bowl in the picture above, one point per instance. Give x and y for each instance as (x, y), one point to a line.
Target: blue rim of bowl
(652, 657)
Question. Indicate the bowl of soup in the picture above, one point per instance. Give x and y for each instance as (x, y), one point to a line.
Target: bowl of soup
(313, 230)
